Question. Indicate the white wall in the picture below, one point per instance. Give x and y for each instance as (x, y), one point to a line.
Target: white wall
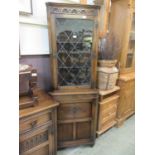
(33, 29)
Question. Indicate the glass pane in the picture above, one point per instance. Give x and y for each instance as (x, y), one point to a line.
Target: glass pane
(74, 50)
(131, 49)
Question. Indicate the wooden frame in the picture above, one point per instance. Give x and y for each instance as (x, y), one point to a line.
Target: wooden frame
(54, 13)
(122, 11)
(27, 5)
(122, 14)
(104, 16)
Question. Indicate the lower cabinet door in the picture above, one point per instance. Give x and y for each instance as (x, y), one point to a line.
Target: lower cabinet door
(83, 130)
(76, 124)
(38, 142)
(126, 102)
(65, 132)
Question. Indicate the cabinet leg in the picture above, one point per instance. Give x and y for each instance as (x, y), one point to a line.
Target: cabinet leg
(119, 123)
(91, 145)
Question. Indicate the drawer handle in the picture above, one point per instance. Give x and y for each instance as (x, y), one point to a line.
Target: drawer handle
(33, 124)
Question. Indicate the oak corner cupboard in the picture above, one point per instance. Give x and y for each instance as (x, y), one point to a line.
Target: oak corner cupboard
(73, 38)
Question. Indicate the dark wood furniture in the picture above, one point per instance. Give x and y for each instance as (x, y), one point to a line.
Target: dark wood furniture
(124, 12)
(38, 127)
(73, 38)
(107, 109)
(27, 86)
(77, 115)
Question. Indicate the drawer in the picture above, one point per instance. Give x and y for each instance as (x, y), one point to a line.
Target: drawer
(108, 119)
(35, 140)
(109, 101)
(74, 111)
(108, 105)
(37, 120)
(106, 112)
(75, 98)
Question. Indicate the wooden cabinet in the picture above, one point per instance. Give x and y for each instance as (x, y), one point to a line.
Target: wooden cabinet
(73, 39)
(77, 115)
(38, 128)
(107, 109)
(122, 23)
(126, 105)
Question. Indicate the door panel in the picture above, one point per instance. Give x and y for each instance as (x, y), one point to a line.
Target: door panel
(83, 130)
(65, 132)
(74, 42)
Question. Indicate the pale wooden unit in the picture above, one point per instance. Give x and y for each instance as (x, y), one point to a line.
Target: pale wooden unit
(107, 109)
(126, 106)
(38, 128)
(122, 23)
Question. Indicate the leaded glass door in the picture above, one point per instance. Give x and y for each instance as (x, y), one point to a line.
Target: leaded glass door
(74, 51)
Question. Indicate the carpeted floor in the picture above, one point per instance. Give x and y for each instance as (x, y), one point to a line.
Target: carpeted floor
(116, 141)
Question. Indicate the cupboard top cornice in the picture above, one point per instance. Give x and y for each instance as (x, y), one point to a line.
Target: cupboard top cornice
(72, 5)
(72, 9)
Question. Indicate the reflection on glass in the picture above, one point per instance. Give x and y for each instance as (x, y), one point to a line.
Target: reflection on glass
(131, 49)
(130, 54)
(74, 48)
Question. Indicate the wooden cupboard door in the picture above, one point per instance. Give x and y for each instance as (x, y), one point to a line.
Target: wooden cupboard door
(65, 132)
(83, 130)
(129, 97)
(78, 127)
(74, 50)
(74, 111)
(69, 132)
(126, 102)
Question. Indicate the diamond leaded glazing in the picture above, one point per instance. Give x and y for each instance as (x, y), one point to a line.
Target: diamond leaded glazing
(74, 50)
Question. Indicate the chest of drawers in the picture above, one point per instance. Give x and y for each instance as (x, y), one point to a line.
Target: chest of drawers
(107, 109)
(38, 128)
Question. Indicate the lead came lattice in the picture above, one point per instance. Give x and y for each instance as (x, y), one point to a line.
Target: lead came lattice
(74, 49)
